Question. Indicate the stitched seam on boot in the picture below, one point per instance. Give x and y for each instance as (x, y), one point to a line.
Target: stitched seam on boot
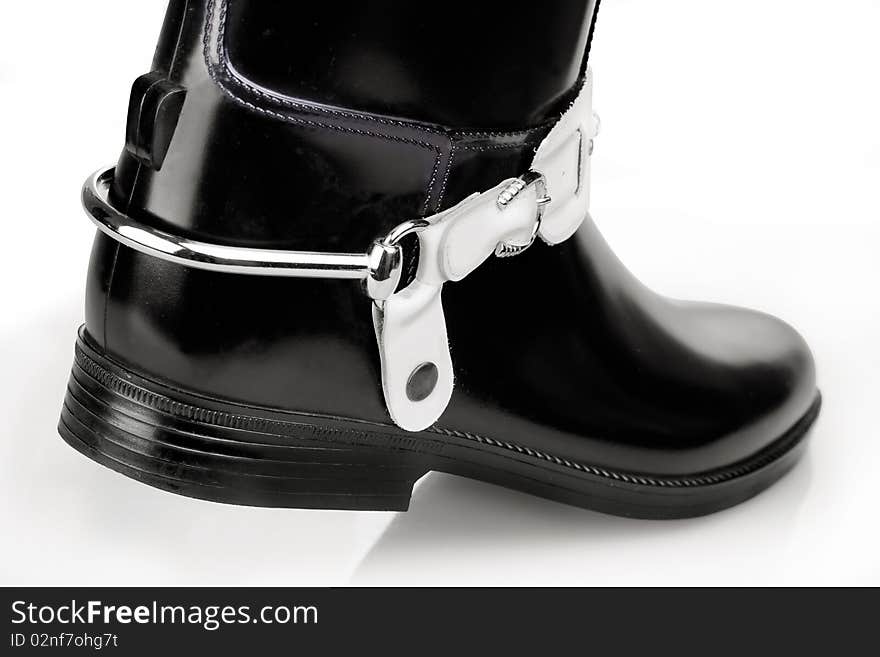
(221, 83)
(291, 102)
(446, 174)
(230, 76)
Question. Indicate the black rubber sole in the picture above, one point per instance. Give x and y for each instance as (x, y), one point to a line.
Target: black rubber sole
(226, 452)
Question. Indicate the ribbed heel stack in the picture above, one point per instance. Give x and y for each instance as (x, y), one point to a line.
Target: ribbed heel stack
(225, 457)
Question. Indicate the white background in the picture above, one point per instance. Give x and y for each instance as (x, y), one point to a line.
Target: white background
(739, 161)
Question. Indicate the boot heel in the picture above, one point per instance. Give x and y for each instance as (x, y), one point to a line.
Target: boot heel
(238, 455)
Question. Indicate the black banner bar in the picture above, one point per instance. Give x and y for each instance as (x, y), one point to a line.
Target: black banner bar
(405, 621)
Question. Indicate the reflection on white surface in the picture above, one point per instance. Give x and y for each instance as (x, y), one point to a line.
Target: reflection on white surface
(460, 530)
(759, 189)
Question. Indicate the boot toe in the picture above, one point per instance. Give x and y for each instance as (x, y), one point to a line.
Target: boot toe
(765, 367)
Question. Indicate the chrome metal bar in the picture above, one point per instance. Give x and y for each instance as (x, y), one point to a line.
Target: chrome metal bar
(213, 257)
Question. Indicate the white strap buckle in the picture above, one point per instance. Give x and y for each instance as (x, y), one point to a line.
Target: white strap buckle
(550, 202)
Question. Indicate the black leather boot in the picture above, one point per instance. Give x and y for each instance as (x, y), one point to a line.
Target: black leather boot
(263, 318)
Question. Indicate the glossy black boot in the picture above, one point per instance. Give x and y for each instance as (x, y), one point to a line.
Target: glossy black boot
(291, 128)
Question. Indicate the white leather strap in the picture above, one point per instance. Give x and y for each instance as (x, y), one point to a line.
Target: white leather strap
(410, 324)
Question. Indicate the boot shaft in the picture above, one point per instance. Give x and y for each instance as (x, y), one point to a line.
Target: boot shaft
(318, 128)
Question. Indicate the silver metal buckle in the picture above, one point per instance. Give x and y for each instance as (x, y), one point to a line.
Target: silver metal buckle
(386, 260)
(508, 194)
